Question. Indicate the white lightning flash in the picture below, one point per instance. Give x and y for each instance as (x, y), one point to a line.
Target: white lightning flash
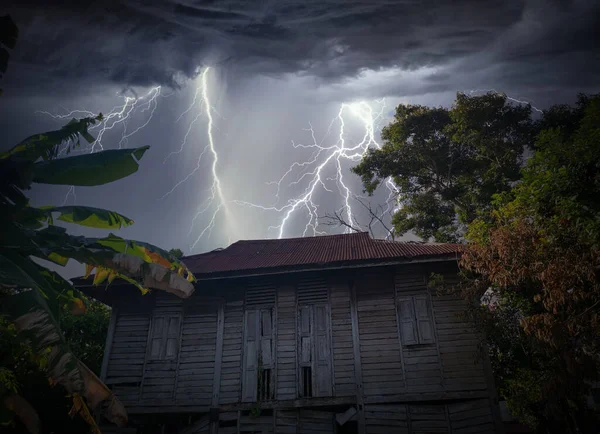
(326, 159)
(216, 198)
(510, 98)
(118, 116)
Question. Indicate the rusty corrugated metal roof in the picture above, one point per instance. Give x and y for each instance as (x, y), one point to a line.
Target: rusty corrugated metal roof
(322, 251)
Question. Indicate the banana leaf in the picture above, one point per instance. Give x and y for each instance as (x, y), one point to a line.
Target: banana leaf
(150, 275)
(89, 216)
(97, 250)
(35, 320)
(24, 411)
(46, 145)
(148, 252)
(90, 169)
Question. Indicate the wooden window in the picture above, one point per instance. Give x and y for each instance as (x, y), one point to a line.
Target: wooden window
(258, 356)
(415, 320)
(164, 339)
(315, 351)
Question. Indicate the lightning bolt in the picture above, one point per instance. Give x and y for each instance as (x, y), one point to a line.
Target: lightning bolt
(216, 198)
(119, 116)
(510, 98)
(324, 159)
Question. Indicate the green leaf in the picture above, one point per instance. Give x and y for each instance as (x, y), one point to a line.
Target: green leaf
(24, 411)
(91, 169)
(58, 259)
(92, 217)
(34, 320)
(9, 32)
(46, 145)
(21, 273)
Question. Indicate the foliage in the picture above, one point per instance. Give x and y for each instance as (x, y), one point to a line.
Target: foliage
(177, 253)
(539, 250)
(447, 163)
(23, 371)
(33, 298)
(8, 39)
(86, 334)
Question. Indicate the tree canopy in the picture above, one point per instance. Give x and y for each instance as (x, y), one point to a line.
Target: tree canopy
(448, 163)
(539, 251)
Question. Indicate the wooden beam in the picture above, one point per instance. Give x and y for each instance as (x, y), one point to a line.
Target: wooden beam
(357, 364)
(425, 397)
(290, 404)
(214, 425)
(108, 345)
(218, 354)
(493, 394)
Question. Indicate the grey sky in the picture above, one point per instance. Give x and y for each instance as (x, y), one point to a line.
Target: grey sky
(276, 66)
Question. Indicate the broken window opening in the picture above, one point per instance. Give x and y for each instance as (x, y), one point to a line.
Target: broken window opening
(264, 391)
(307, 382)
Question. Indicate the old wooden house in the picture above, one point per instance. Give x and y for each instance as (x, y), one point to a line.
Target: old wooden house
(331, 334)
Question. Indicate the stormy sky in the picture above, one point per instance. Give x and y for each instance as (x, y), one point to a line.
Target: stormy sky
(276, 69)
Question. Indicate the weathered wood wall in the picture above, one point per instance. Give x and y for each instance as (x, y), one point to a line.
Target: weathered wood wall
(342, 342)
(380, 353)
(287, 378)
(231, 362)
(422, 364)
(377, 336)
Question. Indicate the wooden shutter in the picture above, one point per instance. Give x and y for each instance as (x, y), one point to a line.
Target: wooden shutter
(305, 322)
(266, 338)
(424, 319)
(322, 375)
(406, 316)
(164, 341)
(156, 339)
(172, 337)
(250, 367)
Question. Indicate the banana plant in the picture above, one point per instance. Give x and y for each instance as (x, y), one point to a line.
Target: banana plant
(32, 295)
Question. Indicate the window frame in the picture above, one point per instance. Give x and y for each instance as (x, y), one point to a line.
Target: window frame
(253, 361)
(316, 336)
(164, 336)
(417, 320)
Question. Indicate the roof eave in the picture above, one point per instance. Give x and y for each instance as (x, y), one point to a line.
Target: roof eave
(329, 266)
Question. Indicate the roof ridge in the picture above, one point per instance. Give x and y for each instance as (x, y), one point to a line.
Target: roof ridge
(303, 238)
(275, 240)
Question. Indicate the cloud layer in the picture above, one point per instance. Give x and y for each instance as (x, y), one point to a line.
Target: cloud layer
(543, 44)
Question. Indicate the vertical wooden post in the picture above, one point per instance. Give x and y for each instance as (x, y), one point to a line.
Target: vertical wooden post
(108, 345)
(357, 364)
(214, 426)
(489, 379)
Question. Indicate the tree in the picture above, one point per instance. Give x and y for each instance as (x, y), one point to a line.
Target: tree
(32, 297)
(376, 223)
(447, 163)
(86, 334)
(177, 253)
(8, 39)
(24, 370)
(541, 246)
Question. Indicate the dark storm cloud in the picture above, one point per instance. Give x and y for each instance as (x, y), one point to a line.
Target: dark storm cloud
(141, 43)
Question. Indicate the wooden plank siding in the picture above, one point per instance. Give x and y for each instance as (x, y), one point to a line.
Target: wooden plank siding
(471, 417)
(128, 354)
(384, 419)
(231, 368)
(158, 383)
(379, 340)
(422, 362)
(287, 378)
(463, 368)
(380, 353)
(341, 332)
(195, 374)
